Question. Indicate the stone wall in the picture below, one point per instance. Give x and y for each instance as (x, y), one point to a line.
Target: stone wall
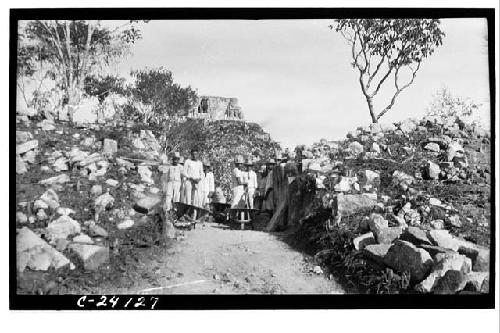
(217, 108)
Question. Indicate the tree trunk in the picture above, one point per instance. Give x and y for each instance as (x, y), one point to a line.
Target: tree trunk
(369, 101)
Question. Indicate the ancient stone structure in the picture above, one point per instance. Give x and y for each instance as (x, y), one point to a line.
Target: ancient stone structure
(217, 108)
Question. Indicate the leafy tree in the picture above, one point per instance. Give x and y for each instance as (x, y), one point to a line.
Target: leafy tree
(381, 48)
(156, 87)
(447, 106)
(101, 86)
(73, 49)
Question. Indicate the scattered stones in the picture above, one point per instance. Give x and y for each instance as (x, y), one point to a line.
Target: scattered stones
(92, 256)
(404, 256)
(104, 201)
(454, 221)
(34, 253)
(65, 211)
(93, 158)
(61, 164)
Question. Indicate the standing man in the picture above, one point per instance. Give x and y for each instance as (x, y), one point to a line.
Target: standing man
(193, 174)
(252, 182)
(237, 182)
(268, 190)
(207, 184)
(171, 182)
(261, 185)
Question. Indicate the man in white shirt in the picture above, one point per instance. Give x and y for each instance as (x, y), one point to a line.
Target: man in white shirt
(252, 182)
(238, 182)
(207, 184)
(171, 182)
(193, 174)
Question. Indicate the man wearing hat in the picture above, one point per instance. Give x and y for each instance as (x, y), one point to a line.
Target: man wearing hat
(268, 190)
(261, 185)
(238, 182)
(207, 185)
(252, 181)
(193, 174)
(171, 182)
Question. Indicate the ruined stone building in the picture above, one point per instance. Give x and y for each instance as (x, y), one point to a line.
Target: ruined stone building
(217, 108)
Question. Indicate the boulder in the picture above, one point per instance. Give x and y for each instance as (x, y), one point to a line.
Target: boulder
(434, 147)
(375, 148)
(145, 174)
(76, 155)
(40, 204)
(474, 281)
(46, 125)
(345, 184)
(348, 204)
(479, 255)
(435, 250)
(147, 204)
(454, 149)
(376, 222)
(112, 182)
(97, 231)
(443, 263)
(65, 211)
(34, 253)
(415, 236)
(61, 164)
(454, 221)
(431, 171)
(401, 178)
(376, 252)
(61, 179)
(443, 239)
(91, 256)
(22, 137)
(51, 198)
(404, 256)
(452, 282)
(104, 201)
(109, 147)
(407, 126)
(362, 241)
(20, 166)
(125, 224)
(21, 218)
(30, 157)
(82, 239)
(27, 146)
(356, 148)
(96, 190)
(93, 158)
(86, 112)
(62, 228)
(387, 235)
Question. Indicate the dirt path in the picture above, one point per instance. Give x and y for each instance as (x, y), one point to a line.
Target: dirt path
(213, 259)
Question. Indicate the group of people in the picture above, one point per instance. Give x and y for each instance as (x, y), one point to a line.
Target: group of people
(192, 182)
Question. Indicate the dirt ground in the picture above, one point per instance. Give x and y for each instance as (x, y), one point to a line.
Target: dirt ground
(213, 259)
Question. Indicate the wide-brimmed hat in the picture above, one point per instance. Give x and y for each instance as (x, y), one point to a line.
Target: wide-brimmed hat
(181, 160)
(239, 160)
(249, 161)
(176, 155)
(278, 156)
(206, 163)
(271, 161)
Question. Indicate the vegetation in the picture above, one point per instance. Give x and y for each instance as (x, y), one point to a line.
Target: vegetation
(384, 47)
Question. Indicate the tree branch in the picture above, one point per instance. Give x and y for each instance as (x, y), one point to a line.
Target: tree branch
(376, 71)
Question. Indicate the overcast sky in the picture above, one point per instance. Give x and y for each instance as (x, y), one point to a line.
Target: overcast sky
(294, 76)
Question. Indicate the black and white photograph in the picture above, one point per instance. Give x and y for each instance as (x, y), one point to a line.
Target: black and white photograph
(341, 157)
